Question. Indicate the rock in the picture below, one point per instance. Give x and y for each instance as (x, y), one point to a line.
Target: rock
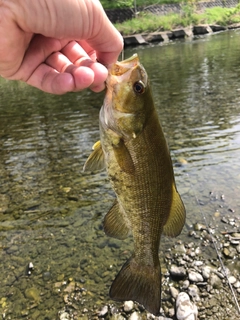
(135, 316)
(32, 294)
(178, 33)
(178, 272)
(229, 252)
(195, 276)
(103, 312)
(186, 284)
(232, 279)
(201, 29)
(193, 291)
(117, 316)
(174, 292)
(64, 316)
(185, 309)
(134, 40)
(217, 28)
(206, 271)
(155, 37)
(215, 281)
(128, 306)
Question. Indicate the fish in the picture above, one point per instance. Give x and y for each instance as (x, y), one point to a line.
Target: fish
(134, 151)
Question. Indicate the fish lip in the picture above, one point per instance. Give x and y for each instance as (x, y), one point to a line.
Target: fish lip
(121, 67)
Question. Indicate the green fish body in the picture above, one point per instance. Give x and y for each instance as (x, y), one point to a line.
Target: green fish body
(134, 151)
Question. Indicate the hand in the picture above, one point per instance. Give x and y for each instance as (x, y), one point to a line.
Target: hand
(54, 45)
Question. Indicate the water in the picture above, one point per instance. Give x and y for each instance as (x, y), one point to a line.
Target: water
(51, 213)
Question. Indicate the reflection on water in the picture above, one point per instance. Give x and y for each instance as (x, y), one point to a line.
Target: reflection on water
(51, 213)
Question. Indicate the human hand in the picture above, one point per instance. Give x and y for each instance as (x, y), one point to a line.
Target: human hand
(57, 45)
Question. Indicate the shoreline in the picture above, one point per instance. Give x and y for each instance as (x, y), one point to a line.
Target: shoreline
(176, 34)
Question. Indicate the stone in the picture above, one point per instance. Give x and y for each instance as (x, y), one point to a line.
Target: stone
(135, 316)
(206, 271)
(195, 276)
(155, 37)
(174, 292)
(217, 28)
(128, 306)
(178, 33)
(215, 281)
(177, 272)
(201, 29)
(193, 292)
(103, 312)
(134, 40)
(185, 309)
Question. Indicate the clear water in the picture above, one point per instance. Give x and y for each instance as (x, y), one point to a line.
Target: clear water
(51, 213)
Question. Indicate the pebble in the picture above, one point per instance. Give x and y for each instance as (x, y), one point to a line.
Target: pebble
(103, 312)
(195, 276)
(215, 281)
(185, 309)
(206, 272)
(135, 316)
(64, 316)
(174, 292)
(193, 292)
(128, 306)
(178, 272)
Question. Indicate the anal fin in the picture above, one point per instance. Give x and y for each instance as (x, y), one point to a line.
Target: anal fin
(177, 216)
(115, 224)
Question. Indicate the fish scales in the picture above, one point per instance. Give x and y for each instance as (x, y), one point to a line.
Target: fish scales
(133, 149)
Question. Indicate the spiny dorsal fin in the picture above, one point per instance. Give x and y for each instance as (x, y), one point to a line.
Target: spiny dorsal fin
(176, 219)
(96, 159)
(138, 282)
(123, 157)
(115, 224)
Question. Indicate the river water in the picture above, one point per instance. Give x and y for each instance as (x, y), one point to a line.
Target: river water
(51, 212)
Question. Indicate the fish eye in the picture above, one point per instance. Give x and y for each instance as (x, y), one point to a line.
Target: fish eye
(139, 87)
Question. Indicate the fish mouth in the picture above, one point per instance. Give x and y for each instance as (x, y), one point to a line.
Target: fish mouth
(122, 67)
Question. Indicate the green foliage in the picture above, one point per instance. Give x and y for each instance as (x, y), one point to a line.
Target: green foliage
(147, 22)
(113, 4)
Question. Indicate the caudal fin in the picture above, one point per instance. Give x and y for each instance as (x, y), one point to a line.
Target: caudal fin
(138, 283)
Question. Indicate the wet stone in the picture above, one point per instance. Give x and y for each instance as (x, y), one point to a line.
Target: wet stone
(177, 272)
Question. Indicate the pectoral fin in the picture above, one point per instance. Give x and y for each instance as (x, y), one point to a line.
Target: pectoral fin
(115, 224)
(123, 157)
(96, 159)
(176, 220)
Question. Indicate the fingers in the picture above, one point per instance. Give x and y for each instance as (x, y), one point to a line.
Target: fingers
(68, 70)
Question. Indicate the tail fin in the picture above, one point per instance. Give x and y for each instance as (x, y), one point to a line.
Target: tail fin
(138, 283)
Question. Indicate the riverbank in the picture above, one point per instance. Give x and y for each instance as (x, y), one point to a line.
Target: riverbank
(180, 33)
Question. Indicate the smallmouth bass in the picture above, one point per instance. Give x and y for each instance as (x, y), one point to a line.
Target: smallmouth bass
(134, 151)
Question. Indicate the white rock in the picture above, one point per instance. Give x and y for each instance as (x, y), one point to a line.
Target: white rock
(128, 306)
(135, 316)
(195, 276)
(206, 271)
(186, 310)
